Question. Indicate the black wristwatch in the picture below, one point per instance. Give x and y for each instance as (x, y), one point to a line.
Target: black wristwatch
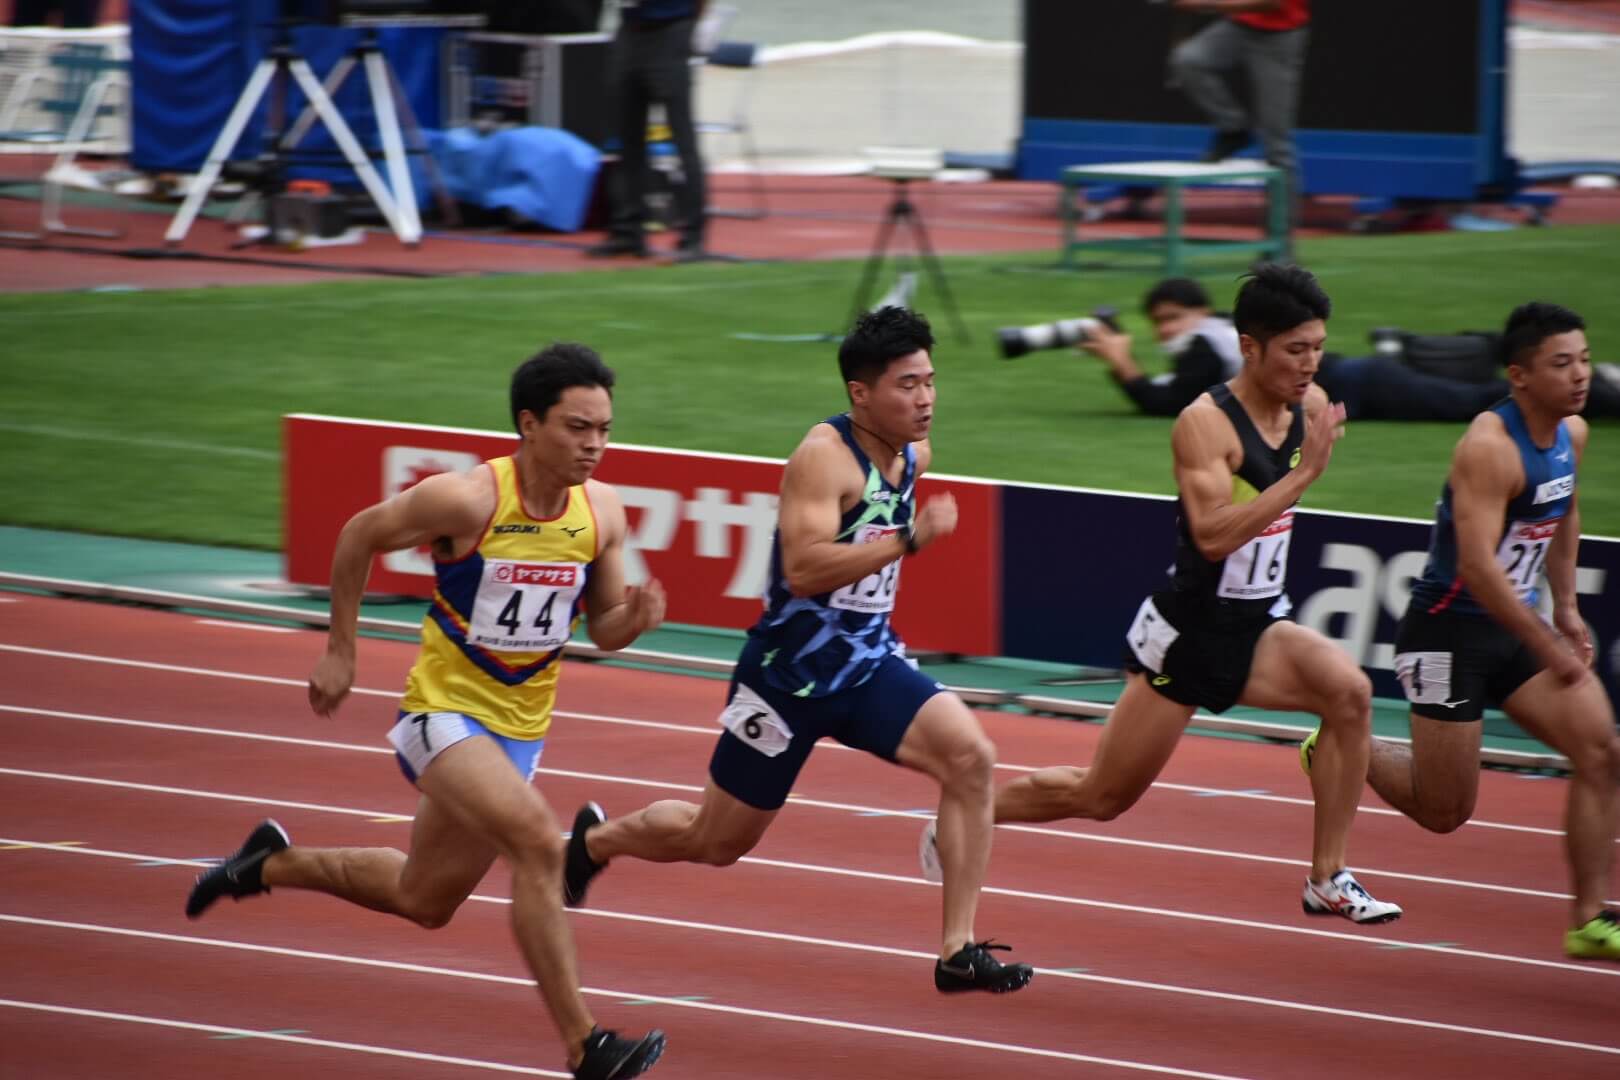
(910, 538)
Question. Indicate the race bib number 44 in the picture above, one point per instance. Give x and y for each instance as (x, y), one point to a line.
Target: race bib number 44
(874, 593)
(525, 607)
(1259, 569)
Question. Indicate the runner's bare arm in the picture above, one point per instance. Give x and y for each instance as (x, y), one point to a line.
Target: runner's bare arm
(813, 485)
(1561, 554)
(440, 509)
(1203, 444)
(616, 614)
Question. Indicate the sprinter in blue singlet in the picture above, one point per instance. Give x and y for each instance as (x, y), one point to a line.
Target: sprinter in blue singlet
(1472, 637)
(823, 660)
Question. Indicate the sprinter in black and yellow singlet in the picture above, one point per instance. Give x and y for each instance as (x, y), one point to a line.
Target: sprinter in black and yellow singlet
(521, 545)
(1472, 639)
(1219, 635)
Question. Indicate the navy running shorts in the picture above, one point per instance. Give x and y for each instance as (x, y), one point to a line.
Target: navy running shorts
(769, 734)
(1453, 665)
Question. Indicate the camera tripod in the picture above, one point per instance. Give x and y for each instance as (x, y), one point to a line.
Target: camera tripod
(283, 65)
(902, 211)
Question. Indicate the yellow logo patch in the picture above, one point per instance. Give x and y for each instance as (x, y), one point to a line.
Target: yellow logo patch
(1293, 460)
(1161, 680)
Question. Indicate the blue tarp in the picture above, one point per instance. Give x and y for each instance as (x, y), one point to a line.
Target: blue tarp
(543, 174)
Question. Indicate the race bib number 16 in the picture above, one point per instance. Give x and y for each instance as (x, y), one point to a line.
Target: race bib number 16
(1259, 569)
(525, 607)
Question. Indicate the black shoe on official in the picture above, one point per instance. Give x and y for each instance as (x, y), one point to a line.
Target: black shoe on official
(618, 244)
(579, 867)
(239, 875)
(691, 250)
(973, 968)
(610, 1056)
(1225, 144)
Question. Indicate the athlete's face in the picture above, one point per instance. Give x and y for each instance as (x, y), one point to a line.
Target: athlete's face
(1557, 375)
(569, 442)
(901, 403)
(1286, 365)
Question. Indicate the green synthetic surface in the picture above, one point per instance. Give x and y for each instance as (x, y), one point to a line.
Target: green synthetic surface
(157, 414)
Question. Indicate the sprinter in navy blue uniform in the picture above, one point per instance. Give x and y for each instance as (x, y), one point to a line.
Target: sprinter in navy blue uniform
(1472, 636)
(823, 660)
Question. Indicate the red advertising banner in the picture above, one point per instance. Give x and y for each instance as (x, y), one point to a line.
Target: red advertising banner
(701, 523)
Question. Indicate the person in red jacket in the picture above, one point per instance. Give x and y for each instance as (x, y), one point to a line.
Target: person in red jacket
(1265, 38)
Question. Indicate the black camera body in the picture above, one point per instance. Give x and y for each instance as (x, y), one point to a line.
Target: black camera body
(1015, 341)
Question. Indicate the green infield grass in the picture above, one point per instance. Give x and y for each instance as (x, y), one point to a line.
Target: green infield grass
(156, 414)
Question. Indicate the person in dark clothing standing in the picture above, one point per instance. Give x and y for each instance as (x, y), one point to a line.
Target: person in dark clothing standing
(650, 63)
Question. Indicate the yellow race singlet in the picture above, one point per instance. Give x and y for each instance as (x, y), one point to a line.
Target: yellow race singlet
(492, 639)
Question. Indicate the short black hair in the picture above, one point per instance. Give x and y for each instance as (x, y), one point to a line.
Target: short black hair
(1176, 290)
(879, 338)
(1275, 298)
(539, 382)
(1531, 324)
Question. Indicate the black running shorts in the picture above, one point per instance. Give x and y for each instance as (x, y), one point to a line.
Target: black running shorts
(1196, 653)
(1453, 665)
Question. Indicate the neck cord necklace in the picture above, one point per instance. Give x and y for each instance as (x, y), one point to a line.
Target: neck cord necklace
(886, 444)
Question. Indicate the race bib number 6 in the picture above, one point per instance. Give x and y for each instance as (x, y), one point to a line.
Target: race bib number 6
(874, 593)
(525, 607)
(748, 717)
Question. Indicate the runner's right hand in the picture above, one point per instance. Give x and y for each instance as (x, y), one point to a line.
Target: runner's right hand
(937, 518)
(329, 683)
(1321, 432)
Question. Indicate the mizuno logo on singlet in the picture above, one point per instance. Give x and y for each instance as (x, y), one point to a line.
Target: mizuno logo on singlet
(573, 532)
(1555, 489)
(527, 529)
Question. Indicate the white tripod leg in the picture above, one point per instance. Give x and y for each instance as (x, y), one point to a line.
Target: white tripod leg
(353, 153)
(223, 146)
(399, 177)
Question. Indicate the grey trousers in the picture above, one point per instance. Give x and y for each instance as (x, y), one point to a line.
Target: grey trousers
(1274, 62)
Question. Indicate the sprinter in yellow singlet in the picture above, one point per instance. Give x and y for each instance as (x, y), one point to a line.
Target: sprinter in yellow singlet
(521, 545)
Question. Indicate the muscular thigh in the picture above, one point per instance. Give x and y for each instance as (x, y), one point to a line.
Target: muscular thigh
(1295, 669)
(942, 730)
(447, 860)
(1445, 762)
(1563, 717)
(1141, 733)
(476, 787)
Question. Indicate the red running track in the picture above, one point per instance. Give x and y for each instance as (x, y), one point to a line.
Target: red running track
(1170, 942)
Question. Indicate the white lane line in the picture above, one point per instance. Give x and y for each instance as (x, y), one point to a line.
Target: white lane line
(713, 730)
(820, 804)
(301, 1040)
(705, 1006)
(1134, 984)
(1203, 918)
(237, 624)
